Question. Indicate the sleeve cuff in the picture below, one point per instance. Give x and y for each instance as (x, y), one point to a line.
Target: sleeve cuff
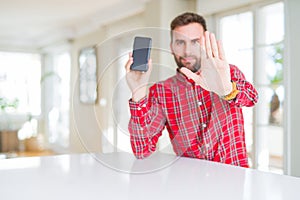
(137, 109)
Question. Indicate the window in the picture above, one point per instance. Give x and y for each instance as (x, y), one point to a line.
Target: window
(20, 75)
(239, 51)
(20, 93)
(56, 81)
(253, 40)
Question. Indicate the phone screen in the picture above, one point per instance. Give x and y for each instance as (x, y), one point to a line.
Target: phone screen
(141, 53)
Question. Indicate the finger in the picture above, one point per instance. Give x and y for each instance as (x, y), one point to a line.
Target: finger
(202, 41)
(149, 65)
(129, 63)
(214, 45)
(221, 50)
(207, 45)
(202, 48)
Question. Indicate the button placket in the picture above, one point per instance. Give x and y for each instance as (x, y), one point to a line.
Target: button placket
(203, 149)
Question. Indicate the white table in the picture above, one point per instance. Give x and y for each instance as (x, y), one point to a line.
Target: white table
(121, 176)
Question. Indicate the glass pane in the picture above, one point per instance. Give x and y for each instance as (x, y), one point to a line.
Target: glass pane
(269, 79)
(58, 115)
(248, 119)
(271, 19)
(270, 148)
(237, 28)
(88, 75)
(270, 106)
(269, 65)
(237, 37)
(20, 75)
(236, 33)
(269, 129)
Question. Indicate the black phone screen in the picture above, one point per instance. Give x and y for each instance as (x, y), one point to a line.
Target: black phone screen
(141, 53)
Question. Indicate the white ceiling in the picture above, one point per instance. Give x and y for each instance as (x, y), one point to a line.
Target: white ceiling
(31, 24)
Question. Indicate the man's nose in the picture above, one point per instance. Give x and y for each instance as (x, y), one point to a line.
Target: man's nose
(187, 50)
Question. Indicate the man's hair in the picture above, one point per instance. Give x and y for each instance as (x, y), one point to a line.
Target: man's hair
(187, 18)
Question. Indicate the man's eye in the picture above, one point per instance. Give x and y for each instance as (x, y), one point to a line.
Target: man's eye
(194, 42)
(180, 42)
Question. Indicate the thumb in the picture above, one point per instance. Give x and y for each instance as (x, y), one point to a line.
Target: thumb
(197, 78)
(150, 64)
(188, 73)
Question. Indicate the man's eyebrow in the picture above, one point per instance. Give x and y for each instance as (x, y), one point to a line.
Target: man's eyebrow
(195, 40)
(180, 40)
(183, 40)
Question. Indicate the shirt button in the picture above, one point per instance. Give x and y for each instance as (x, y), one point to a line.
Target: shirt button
(204, 125)
(144, 105)
(199, 103)
(203, 149)
(139, 108)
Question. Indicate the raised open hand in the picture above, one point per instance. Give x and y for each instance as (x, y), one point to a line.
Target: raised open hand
(214, 73)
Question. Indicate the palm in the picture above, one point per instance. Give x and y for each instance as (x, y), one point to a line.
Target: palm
(214, 74)
(136, 79)
(214, 69)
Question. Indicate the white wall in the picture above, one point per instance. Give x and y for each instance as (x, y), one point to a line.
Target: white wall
(207, 7)
(89, 121)
(292, 72)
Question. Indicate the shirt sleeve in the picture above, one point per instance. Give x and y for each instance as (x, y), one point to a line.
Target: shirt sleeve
(248, 95)
(146, 124)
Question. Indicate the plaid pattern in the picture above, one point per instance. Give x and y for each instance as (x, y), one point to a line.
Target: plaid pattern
(200, 123)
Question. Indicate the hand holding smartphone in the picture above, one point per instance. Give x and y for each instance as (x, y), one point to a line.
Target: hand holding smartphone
(141, 53)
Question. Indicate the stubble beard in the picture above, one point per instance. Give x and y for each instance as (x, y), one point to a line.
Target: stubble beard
(194, 68)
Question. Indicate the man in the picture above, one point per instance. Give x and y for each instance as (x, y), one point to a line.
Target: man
(201, 106)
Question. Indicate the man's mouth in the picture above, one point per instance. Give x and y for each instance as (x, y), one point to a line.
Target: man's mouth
(188, 60)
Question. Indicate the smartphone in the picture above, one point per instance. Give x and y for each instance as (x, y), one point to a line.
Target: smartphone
(141, 53)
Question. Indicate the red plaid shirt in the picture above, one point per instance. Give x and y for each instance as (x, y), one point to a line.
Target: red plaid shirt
(200, 123)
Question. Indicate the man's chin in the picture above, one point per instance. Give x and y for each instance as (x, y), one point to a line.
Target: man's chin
(191, 67)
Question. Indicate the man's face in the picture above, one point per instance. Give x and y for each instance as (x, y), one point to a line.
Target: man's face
(185, 45)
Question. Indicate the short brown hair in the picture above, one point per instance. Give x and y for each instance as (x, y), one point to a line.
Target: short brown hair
(187, 18)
